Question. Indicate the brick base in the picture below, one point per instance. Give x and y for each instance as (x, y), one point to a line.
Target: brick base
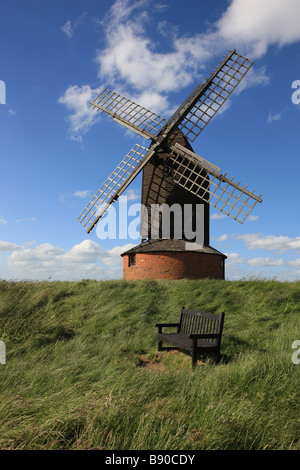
(173, 265)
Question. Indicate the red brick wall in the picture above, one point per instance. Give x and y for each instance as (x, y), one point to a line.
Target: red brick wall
(173, 265)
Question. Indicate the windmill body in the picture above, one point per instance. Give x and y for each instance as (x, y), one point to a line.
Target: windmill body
(159, 187)
(174, 177)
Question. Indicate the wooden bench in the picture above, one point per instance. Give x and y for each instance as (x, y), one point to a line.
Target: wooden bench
(197, 332)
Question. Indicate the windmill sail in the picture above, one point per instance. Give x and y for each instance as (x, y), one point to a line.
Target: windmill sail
(129, 114)
(206, 99)
(198, 176)
(114, 185)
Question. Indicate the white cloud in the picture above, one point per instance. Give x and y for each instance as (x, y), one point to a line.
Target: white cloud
(112, 257)
(30, 219)
(130, 57)
(76, 99)
(264, 266)
(153, 101)
(273, 117)
(67, 28)
(89, 260)
(255, 76)
(217, 216)
(265, 261)
(8, 246)
(40, 262)
(132, 194)
(256, 25)
(3, 221)
(253, 218)
(122, 9)
(131, 61)
(269, 242)
(234, 258)
(222, 238)
(295, 263)
(82, 194)
(85, 252)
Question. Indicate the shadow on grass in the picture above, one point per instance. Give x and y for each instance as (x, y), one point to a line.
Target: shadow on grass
(53, 334)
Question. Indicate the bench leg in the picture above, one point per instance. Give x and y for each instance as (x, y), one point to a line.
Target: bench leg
(194, 354)
(160, 345)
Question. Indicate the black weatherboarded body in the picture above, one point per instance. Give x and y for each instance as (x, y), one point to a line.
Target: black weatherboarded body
(197, 332)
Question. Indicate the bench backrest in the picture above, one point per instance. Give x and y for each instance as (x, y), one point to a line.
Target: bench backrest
(197, 322)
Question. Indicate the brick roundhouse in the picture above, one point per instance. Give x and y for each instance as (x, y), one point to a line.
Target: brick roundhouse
(172, 259)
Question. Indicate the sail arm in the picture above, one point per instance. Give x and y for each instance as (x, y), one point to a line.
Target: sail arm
(129, 114)
(198, 177)
(207, 98)
(115, 185)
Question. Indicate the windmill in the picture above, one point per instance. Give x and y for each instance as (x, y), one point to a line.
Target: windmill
(173, 173)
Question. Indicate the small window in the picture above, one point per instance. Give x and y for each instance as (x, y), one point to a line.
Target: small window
(131, 261)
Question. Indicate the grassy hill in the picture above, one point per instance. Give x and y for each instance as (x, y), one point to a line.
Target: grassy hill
(82, 370)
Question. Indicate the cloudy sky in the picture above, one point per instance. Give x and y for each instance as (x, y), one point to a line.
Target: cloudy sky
(56, 151)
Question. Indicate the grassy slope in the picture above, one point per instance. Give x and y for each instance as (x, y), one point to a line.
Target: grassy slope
(82, 370)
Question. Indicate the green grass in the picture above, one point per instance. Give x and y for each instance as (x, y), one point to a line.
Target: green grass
(82, 371)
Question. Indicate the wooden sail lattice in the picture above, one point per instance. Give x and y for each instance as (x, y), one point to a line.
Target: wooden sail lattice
(129, 114)
(192, 173)
(213, 94)
(113, 186)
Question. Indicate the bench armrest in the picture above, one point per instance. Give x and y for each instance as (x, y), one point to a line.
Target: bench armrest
(161, 325)
(205, 336)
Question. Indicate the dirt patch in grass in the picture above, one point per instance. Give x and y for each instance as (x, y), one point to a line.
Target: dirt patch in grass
(155, 362)
(152, 362)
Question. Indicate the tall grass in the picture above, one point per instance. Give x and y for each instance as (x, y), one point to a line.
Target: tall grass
(82, 370)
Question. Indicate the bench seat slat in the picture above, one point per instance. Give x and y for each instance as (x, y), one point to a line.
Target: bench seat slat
(185, 342)
(178, 339)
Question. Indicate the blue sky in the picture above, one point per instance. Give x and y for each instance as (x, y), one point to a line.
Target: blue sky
(56, 151)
